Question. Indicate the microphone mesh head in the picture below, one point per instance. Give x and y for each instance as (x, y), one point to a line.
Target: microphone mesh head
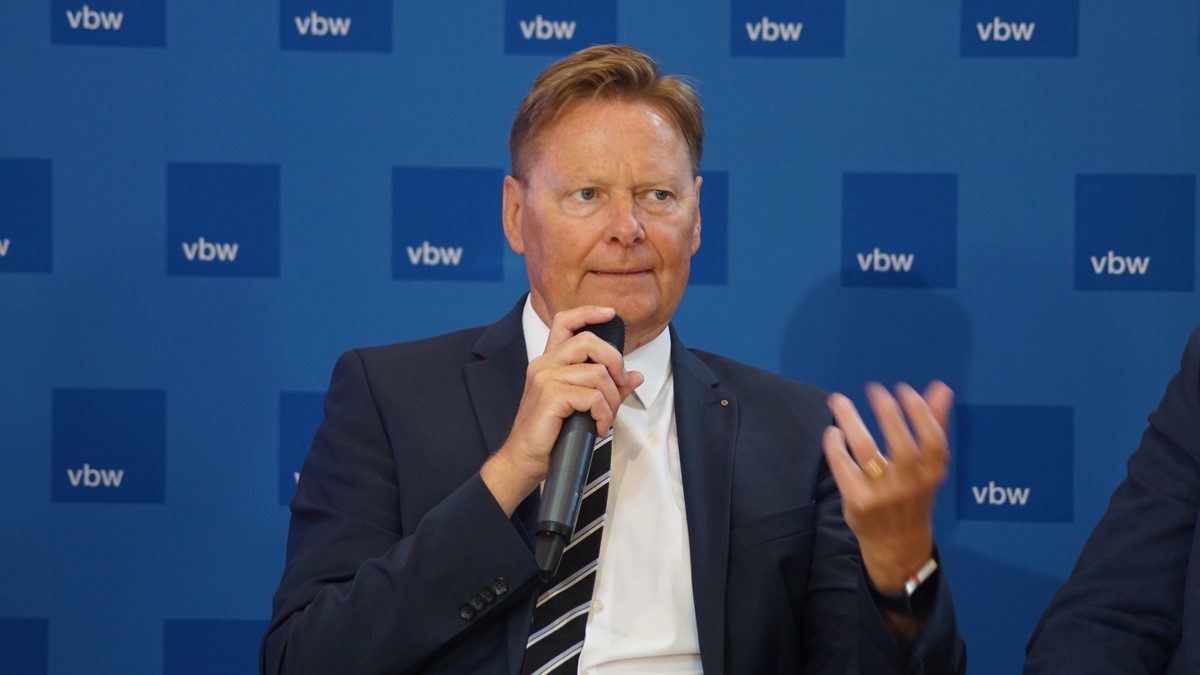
(611, 331)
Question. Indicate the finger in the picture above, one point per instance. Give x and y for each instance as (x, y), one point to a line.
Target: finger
(565, 398)
(569, 322)
(597, 350)
(930, 431)
(931, 435)
(902, 448)
(853, 429)
(940, 399)
(849, 478)
(636, 379)
(586, 348)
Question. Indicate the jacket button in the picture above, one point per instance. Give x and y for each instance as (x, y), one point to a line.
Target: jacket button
(477, 602)
(467, 612)
(488, 594)
(500, 586)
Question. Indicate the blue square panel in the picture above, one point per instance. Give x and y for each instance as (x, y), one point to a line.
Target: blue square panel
(24, 646)
(194, 647)
(223, 220)
(336, 25)
(25, 222)
(710, 265)
(125, 23)
(446, 224)
(1019, 28)
(787, 28)
(1015, 463)
(300, 413)
(109, 445)
(558, 26)
(899, 230)
(1135, 233)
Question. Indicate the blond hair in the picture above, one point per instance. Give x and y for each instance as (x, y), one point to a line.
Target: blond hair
(605, 73)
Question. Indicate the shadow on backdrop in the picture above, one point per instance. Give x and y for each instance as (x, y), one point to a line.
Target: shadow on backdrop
(841, 339)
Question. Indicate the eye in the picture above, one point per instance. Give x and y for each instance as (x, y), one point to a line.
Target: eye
(586, 194)
(660, 195)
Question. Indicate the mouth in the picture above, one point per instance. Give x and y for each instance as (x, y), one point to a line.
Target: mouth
(621, 272)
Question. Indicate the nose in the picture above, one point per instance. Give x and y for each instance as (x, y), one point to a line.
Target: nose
(624, 226)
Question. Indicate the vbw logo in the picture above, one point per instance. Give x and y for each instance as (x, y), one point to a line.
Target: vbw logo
(140, 23)
(109, 445)
(300, 415)
(1004, 475)
(316, 24)
(433, 256)
(1019, 28)
(998, 496)
(787, 27)
(89, 19)
(899, 230)
(541, 29)
(878, 261)
(1118, 265)
(770, 31)
(25, 238)
(92, 478)
(446, 239)
(557, 26)
(1156, 254)
(223, 220)
(1001, 31)
(336, 25)
(205, 251)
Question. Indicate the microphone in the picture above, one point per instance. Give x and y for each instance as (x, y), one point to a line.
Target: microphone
(570, 460)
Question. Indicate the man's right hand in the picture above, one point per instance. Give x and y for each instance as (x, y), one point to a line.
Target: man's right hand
(577, 372)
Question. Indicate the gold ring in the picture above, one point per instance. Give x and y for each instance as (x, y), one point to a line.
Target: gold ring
(875, 467)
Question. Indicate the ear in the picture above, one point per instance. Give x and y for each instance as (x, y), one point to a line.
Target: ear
(696, 224)
(510, 210)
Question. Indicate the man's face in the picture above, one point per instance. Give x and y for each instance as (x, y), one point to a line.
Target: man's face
(607, 214)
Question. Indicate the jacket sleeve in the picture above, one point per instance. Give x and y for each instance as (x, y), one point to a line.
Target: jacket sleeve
(361, 594)
(839, 593)
(1120, 610)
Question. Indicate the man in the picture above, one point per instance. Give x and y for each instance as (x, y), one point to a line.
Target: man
(1132, 604)
(723, 546)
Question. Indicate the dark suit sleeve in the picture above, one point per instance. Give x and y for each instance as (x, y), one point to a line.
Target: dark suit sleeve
(361, 594)
(1120, 611)
(840, 625)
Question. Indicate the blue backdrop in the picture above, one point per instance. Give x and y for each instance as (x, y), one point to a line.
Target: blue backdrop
(203, 203)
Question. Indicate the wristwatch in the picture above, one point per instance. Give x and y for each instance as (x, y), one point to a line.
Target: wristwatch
(916, 599)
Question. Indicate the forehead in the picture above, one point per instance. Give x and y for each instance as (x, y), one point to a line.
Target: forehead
(591, 135)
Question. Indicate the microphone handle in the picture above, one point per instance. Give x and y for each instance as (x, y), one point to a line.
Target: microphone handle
(569, 463)
(570, 460)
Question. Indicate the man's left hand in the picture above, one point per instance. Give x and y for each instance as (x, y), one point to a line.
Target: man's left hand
(887, 499)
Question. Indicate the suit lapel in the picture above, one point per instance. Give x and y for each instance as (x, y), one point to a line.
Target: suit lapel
(496, 378)
(706, 417)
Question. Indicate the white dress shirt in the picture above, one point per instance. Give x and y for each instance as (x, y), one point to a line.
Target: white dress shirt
(643, 619)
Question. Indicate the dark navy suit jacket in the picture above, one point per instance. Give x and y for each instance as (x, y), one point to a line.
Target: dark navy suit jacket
(394, 534)
(1132, 604)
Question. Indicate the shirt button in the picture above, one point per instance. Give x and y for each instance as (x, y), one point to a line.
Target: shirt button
(597, 606)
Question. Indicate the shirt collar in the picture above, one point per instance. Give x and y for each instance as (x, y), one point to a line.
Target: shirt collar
(652, 359)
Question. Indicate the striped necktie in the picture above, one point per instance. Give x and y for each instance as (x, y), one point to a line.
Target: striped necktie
(560, 615)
